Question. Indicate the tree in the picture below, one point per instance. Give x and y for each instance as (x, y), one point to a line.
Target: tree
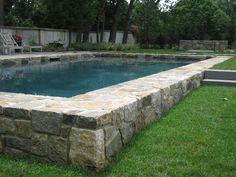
(202, 19)
(1, 12)
(101, 20)
(75, 15)
(19, 13)
(148, 21)
(117, 6)
(127, 24)
(229, 6)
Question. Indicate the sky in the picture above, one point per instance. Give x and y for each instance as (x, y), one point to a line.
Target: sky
(162, 1)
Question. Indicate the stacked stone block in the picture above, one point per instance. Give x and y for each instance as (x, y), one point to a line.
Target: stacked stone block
(203, 45)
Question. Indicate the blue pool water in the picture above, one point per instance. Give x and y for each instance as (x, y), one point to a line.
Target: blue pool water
(73, 78)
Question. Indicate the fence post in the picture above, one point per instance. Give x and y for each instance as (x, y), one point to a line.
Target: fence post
(40, 42)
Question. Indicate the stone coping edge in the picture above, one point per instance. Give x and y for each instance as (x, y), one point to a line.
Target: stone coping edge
(30, 59)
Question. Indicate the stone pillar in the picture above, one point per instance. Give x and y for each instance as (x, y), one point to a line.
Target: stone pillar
(87, 148)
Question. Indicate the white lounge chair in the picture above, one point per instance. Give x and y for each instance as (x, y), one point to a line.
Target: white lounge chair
(8, 43)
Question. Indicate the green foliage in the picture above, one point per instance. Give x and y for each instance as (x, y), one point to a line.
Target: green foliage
(201, 19)
(156, 51)
(104, 46)
(76, 15)
(148, 21)
(195, 139)
(111, 5)
(20, 13)
(188, 19)
(53, 48)
(8, 5)
(229, 6)
(233, 45)
(13, 20)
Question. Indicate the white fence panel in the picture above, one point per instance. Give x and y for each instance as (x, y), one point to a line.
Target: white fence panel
(44, 36)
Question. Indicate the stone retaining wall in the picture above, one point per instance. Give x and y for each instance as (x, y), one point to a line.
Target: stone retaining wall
(89, 129)
(203, 45)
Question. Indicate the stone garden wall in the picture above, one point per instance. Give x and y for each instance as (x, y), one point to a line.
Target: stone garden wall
(89, 129)
(203, 45)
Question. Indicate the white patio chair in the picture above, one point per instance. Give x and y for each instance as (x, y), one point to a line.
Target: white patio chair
(8, 42)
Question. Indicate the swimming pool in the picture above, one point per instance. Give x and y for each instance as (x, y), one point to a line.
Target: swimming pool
(90, 129)
(66, 79)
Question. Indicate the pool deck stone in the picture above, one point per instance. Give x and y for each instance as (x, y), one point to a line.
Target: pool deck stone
(89, 129)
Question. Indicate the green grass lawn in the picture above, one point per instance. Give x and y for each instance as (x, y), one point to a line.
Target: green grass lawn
(227, 65)
(155, 51)
(147, 51)
(196, 138)
(173, 51)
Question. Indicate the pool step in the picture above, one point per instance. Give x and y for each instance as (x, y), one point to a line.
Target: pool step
(220, 74)
(220, 77)
(219, 82)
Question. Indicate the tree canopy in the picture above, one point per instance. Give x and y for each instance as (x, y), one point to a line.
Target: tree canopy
(159, 22)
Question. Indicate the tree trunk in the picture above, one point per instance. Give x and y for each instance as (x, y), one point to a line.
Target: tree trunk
(128, 17)
(98, 31)
(100, 18)
(86, 36)
(69, 45)
(1, 12)
(78, 37)
(103, 19)
(233, 30)
(102, 31)
(112, 37)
